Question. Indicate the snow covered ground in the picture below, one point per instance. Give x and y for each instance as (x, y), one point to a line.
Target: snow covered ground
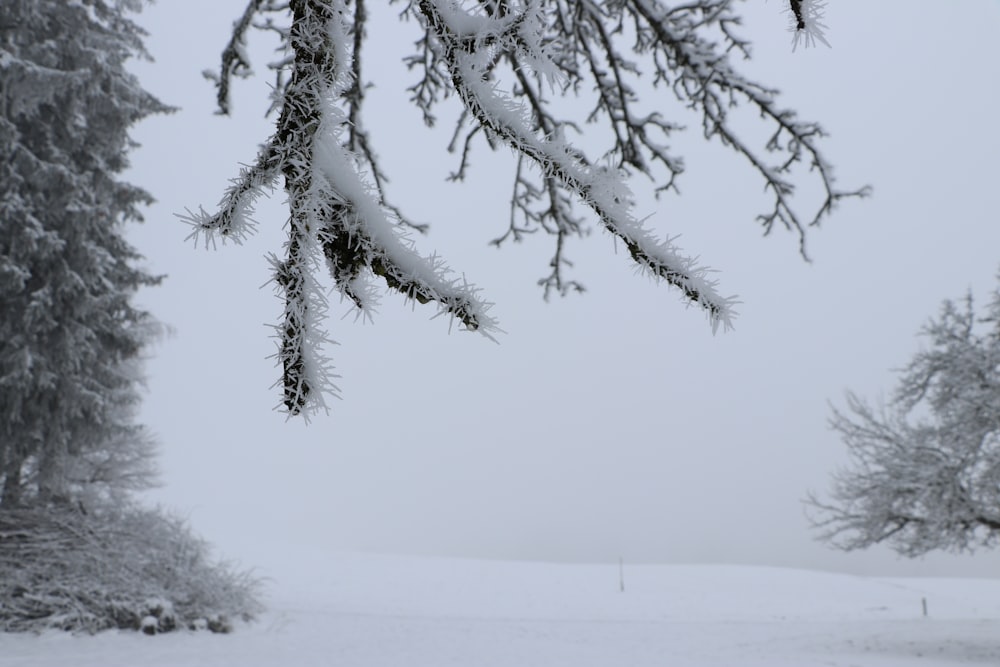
(388, 611)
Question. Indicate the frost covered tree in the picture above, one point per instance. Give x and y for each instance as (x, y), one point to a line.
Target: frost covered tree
(75, 552)
(925, 469)
(509, 64)
(70, 337)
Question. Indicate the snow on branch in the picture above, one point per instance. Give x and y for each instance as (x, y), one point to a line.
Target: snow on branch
(465, 42)
(336, 216)
(509, 63)
(701, 74)
(235, 61)
(234, 219)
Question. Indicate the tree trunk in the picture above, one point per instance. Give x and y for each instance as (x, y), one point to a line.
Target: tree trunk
(10, 494)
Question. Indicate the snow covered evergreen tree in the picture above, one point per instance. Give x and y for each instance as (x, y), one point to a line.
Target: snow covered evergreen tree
(509, 63)
(75, 553)
(70, 338)
(925, 470)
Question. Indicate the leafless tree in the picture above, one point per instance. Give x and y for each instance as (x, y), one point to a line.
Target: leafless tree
(925, 469)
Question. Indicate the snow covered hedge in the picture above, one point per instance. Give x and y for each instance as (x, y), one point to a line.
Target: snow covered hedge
(125, 568)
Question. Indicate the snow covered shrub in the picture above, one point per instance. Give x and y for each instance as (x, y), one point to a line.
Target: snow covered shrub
(127, 568)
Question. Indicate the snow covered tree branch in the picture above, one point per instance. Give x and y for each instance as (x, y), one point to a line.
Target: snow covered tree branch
(335, 213)
(510, 63)
(925, 470)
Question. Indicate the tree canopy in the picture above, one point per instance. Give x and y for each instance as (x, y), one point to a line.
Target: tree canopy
(925, 468)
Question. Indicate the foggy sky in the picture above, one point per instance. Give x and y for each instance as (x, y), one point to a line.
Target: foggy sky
(602, 425)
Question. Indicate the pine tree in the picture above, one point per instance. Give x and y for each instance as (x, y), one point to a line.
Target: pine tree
(508, 63)
(70, 337)
(925, 469)
(76, 552)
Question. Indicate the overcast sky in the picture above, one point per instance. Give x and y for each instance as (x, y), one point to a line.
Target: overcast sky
(603, 425)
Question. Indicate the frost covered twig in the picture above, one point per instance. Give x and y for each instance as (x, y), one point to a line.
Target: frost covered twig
(462, 50)
(807, 24)
(235, 61)
(119, 568)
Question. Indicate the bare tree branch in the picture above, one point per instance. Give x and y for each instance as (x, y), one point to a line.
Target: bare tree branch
(509, 64)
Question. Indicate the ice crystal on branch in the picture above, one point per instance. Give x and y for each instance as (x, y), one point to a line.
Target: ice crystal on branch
(507, 62)
(807, 22)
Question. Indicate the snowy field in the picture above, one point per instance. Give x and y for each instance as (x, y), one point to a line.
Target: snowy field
(362, 610)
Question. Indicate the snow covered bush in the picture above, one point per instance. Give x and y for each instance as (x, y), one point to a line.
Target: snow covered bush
(925, 471)
(508, 63)
(127, 568)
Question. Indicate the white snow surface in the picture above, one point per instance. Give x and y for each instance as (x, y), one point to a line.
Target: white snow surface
(394, 611)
